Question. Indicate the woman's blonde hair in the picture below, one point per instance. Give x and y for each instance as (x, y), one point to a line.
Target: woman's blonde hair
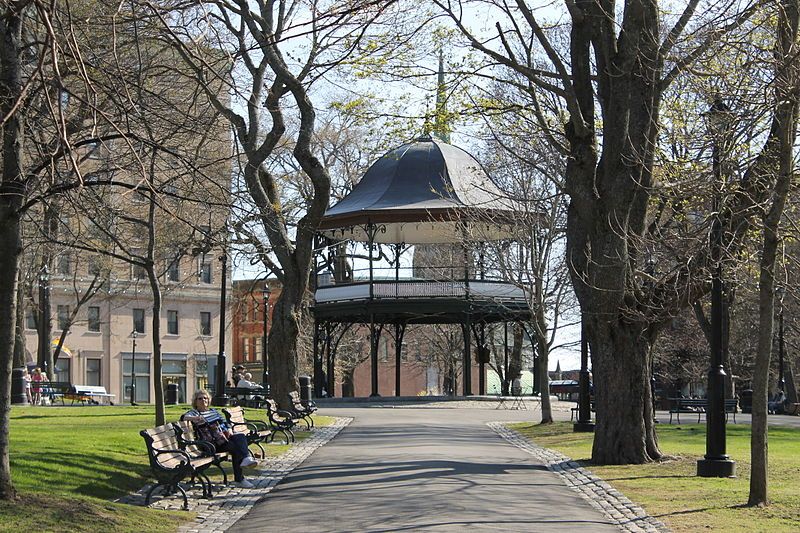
(197, 394)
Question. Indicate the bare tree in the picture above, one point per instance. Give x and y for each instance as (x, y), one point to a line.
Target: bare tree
(252, 48)
(612, 80)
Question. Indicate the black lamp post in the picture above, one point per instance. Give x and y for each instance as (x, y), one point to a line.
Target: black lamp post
(220, 399)
(584, 422)
(716, 462)
(44, 320)
(133, 369)
(265, 339)
(781, 382)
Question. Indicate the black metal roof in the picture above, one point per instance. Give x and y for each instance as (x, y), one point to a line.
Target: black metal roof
(424, 181)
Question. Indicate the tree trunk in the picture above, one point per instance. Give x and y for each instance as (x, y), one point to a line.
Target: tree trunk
(12, 189)
(283, 338)
(10, 249)
(348, 383)
(158, 383)
(544, 380)
(784, 124)
(19, 333)
(624, 431)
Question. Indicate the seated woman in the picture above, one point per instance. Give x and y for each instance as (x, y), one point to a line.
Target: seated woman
(210, 425)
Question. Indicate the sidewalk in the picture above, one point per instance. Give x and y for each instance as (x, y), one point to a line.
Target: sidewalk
(408, 469)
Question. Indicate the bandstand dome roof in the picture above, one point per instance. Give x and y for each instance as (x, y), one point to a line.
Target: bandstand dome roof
(424, 191)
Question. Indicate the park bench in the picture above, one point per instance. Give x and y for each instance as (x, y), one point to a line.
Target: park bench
(171, 462)
(245, 396)
(574, 411)
(280, 421)
(698, 406)
(189, 442)
(256, 431)
(52, 390)
(301, 410)
(87, 394)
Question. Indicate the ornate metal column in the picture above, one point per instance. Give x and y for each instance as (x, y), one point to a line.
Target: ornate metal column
(716, 462)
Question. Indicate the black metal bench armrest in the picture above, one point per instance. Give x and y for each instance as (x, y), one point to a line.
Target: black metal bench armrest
(258, 425)
(251, 427)
(207, 447)
(173, 452)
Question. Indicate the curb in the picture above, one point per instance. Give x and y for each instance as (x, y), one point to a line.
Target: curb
(600, 495)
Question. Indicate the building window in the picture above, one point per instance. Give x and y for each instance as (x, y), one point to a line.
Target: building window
(94, 266)
(64, 266)
(138, 272)
(142, 378)
(201, 371)
(173, 370)
(93, 372)
(245, 350)
(63, 99)
(205, 323)
(138, 320)
(205, 272)
(93, 149)
(62, 369)
(30, 319)
(63, 317)
(93, 318)
(140, 196)
(173, 268)
(172, 322)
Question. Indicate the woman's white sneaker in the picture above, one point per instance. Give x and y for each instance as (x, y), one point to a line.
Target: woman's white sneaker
(244, 484)
(248, 461)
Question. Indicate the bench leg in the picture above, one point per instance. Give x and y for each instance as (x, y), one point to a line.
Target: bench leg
(224, 475)
(150, 493)
(183, 493)
(206, 483)
(258, 444)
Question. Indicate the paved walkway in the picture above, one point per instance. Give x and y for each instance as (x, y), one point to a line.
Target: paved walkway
(411, 469)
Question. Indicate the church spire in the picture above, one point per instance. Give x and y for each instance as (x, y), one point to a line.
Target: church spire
(441, 127)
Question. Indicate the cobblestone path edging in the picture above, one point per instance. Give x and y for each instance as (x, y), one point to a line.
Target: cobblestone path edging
(230, 503)
(608, 500)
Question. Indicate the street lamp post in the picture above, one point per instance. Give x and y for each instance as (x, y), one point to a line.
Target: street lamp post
(265, 339)
(716, 462)
(133, 369)
(781, 346)
(44, 320)
(584, 422)
(220, 399)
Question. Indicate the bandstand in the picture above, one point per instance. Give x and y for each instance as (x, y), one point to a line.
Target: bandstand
(423, 194)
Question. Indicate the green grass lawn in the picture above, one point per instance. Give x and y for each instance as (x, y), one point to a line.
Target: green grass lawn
(671, 491)
(69, 463)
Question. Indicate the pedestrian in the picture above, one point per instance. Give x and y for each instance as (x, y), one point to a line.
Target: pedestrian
(27, 377)
(210, 426)
(36, 387)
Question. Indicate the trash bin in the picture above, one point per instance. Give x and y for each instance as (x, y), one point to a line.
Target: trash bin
(305, 388)
(171, 397)
(18, 385)
(746, 401)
